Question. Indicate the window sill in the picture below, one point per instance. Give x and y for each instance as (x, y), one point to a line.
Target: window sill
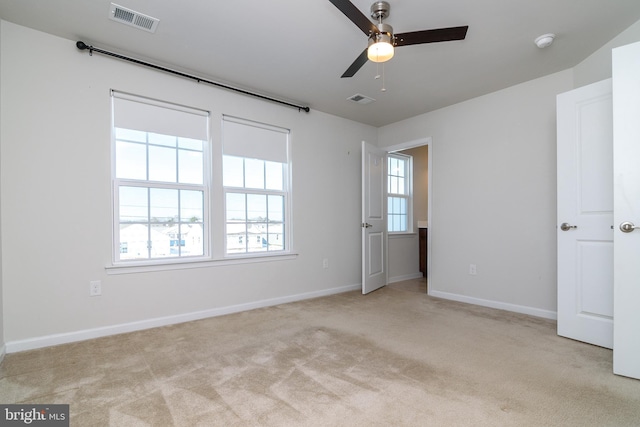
(144, 267)
(402, 235)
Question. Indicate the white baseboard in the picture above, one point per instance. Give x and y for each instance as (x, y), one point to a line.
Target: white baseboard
(532, 311)
(3, 351)
(56, 339)
(395, 279)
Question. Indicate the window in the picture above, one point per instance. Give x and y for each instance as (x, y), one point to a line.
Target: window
(256, 187)
(399, 201)
(165, 192)
(160, 191)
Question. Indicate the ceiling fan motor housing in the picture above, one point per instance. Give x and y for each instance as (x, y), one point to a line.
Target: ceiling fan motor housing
(380, 10)
(385, 34)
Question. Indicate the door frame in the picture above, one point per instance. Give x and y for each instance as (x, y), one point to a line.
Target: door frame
(421, 142)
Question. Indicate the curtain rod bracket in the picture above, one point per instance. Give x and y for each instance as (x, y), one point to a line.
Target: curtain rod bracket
(83, 46)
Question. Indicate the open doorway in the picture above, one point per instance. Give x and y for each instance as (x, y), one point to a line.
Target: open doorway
(408, 265)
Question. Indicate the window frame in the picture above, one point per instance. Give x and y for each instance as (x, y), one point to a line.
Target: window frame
(214, 201)
(118, 182)
(285, 192)
(407, 195)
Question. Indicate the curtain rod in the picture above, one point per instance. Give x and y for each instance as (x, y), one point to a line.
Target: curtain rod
(82, 46)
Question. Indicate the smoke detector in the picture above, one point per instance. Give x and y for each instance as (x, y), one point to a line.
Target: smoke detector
(544, 40)
(133, 18)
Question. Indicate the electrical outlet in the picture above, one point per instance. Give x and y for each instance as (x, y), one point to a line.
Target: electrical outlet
(95, 288)
(325, 263)
(472, 269)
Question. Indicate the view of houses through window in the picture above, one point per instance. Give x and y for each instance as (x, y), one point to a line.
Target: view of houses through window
(254, 221)
(156, 220)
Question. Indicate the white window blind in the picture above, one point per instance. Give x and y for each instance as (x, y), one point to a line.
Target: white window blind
(244, 138)
(148, 115)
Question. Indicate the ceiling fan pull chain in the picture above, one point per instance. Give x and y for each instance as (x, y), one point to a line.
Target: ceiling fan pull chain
(383, 88)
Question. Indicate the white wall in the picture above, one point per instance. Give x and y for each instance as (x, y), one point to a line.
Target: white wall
(493, 195)
(56, 221)
(598, 65)
(420, 182)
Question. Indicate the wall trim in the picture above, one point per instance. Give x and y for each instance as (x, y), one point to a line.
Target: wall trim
(408, 145)
(87, 334)
(412, 276)
(532, 311)
(3, 351)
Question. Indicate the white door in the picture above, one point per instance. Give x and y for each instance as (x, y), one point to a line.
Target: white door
(585, 214)
(626, 146)
(374, 219)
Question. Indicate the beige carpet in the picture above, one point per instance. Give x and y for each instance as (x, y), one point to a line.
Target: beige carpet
(394, 357)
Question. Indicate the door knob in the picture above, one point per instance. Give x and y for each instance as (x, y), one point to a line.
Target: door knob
(627, 227)
(366, 225)
(566, 227)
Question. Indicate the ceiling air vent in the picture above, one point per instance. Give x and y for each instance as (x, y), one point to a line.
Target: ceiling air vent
(361, 99)
(133, 18)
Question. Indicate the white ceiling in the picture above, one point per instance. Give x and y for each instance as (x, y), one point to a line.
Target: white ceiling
(298, 49)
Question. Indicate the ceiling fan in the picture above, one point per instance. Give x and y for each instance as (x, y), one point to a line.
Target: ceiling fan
(382, 40)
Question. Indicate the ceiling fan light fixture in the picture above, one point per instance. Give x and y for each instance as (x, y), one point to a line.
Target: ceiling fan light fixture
(380, 48)
(380, 52)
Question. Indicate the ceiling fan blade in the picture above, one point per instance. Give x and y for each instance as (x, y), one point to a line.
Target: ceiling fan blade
(431, 36)
(357, 17)
(357, 64)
